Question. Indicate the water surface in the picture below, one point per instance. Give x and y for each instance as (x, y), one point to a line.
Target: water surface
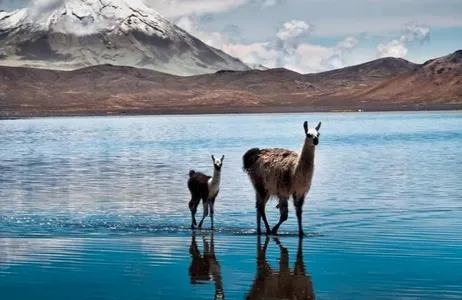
(97, 208)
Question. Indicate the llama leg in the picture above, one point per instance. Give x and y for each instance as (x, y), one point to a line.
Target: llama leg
(205, 204)
(284, 213)
(258, 222)
(193, 208)
(211, 204)
(261, 203)
(298, 203)
(258, 216)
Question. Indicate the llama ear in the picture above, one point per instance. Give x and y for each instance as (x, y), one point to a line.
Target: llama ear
(305, 125)
(213, 158)
(222, 157)
(319, 126)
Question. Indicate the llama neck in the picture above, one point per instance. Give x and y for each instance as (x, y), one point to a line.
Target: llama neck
(216, 177)
(306, 158)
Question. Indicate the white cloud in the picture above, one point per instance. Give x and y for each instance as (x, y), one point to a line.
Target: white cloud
(347, 44)
(416, 32)
(289, 49)
(398, 47)
(285, 50)
(394, 48)
(288, 38)
(293, 30)
(338, 57)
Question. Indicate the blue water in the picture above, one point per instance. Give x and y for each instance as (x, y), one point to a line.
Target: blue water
(96, 208)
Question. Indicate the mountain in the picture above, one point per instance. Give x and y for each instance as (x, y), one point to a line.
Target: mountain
(439, 79)
(80, 33)
(386, 84)
(363, 74)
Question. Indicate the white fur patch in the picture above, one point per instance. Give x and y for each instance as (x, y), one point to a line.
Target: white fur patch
(213, 187)
(313, 132)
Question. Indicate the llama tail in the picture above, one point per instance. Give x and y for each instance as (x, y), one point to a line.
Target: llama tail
(249, 159)
(191, 173)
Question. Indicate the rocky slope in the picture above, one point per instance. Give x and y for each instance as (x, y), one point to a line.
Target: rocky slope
(438, 79)
(82, 33)
(386, 84)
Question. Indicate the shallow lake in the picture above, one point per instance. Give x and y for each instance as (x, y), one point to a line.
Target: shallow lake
(97, 208)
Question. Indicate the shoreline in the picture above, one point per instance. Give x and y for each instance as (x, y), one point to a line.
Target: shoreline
(14, 115)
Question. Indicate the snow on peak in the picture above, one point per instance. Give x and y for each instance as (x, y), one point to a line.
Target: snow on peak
(85, 17)
(12, 19)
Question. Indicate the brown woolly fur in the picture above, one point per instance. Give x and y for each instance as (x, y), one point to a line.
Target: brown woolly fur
(282, 173)
(275, 168)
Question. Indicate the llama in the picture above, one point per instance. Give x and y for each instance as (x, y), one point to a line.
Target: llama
(283, 283)
(282, 173)
(205, 267)
(204, 187)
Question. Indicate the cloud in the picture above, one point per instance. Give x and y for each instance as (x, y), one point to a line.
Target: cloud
(394, 48)
(398, 47)
(416, 32)
(181, 8)
(289, 36)
(286, 50)
(289, 47)
(214, 39)
(293, 30)
(337, 59)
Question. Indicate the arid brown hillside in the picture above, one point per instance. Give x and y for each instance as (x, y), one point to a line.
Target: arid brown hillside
(384, 84)
(438, 80)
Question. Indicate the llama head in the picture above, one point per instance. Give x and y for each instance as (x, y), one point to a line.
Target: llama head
(312, 134)
(217, 163)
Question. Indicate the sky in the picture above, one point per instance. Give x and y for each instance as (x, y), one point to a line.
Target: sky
(313, 35)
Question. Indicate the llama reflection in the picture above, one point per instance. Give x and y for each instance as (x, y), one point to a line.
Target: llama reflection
(206, 267)
(283, 283)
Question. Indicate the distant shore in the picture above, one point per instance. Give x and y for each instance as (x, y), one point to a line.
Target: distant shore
(8, 115)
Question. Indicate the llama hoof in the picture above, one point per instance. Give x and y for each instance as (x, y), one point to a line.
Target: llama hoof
(301, 234)
(274, 232)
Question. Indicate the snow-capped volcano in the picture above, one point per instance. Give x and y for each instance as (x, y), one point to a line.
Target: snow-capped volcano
(81, 33)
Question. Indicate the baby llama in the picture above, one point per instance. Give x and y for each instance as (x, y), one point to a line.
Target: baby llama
(282, 173)
(204, 187)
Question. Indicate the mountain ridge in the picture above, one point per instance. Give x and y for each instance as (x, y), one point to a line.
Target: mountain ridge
(108, 89)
